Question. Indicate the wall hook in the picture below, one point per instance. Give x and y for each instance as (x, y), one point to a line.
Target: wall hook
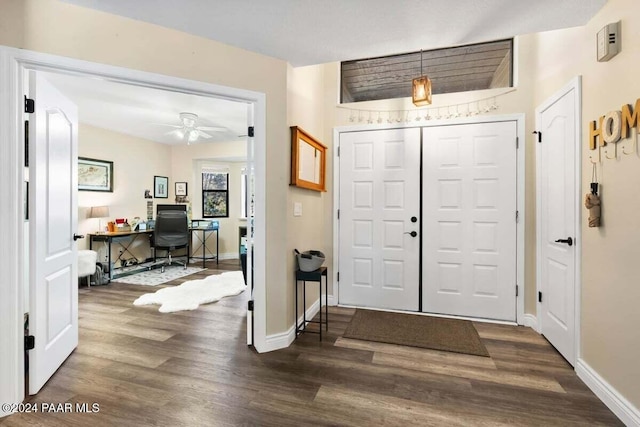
(615, 153)
(633, 150)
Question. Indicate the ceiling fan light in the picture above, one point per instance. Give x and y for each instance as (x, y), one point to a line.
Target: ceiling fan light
(180, 133)
(193, 136)
(421, 91)
(189, 120)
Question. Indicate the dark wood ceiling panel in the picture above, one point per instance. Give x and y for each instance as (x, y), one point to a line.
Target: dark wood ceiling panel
(454, 69)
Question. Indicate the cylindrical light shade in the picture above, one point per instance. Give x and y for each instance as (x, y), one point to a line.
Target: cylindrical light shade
(421, 91)
(99, 212)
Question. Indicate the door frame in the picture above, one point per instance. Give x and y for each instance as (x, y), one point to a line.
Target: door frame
(576, 85)
(13, 63)
(520, 194)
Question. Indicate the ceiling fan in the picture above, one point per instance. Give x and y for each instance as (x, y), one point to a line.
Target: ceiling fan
(189, 129)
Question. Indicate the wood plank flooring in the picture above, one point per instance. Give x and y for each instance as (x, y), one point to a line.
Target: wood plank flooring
(194, 369)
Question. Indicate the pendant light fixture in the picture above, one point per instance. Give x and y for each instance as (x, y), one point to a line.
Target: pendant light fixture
(421, 94)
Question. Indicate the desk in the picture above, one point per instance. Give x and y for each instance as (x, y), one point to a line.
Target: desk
(203, 243)
(125, 239)
(312, 276)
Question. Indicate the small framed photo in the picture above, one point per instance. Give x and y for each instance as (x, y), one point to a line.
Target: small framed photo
(160, 187)
(95, 175)
(181, 189)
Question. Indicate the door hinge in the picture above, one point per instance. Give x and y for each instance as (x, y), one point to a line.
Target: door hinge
(338, 277)
(535, 132)
(539, 296)
(29, 105)
(250, 305)
(29, 342)
(517, 290)
(250, 131)
(517, 143)
(517, 216)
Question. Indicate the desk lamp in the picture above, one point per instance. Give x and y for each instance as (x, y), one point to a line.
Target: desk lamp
(99, 212)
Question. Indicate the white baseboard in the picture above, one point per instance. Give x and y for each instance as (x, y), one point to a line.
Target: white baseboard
(531, 321)
(628, 414)
(284, 339)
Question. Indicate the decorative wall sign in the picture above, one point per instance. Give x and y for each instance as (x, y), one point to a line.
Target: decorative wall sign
(614, 125)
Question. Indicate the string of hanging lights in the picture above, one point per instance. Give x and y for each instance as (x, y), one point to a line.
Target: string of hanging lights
(453, 111)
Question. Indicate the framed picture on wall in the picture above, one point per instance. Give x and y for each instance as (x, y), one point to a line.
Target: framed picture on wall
(181, 189)
(95, 175)
(161, 187)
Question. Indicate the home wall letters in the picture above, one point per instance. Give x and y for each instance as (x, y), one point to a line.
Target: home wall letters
(614, 125)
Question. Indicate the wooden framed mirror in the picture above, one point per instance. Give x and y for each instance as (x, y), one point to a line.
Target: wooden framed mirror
(308, 161)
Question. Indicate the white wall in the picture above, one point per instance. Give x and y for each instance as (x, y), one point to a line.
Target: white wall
(305, 91)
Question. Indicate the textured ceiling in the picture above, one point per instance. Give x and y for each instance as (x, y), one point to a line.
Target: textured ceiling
(306, 32)
(142, 112)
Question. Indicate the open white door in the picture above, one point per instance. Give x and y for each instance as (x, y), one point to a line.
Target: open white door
(469, 210)
(379, 218)
(558, 195)
(53, 288)
(250, 191)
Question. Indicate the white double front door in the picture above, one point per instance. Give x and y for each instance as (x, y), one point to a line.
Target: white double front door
(454, 187)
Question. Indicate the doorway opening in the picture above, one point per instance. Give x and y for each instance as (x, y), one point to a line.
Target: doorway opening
(13, 82)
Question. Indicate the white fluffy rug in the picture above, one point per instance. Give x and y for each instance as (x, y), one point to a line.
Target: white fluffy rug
(189, 295)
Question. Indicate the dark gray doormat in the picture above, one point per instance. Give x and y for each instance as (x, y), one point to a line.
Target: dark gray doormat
(458, 336)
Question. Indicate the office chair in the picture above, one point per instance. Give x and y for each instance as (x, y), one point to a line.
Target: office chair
(171, 232)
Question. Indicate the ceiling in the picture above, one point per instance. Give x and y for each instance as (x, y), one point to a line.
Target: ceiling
(142, 112)
(338, 31)
(306, 32)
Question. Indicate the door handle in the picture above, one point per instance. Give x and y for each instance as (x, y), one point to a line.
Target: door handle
(77, 236)
(568, 241)
(412, 234)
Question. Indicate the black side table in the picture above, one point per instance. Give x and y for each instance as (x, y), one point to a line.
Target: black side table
(312, 276)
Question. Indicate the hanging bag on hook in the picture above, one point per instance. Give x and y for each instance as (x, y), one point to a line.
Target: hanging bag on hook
(592, 201)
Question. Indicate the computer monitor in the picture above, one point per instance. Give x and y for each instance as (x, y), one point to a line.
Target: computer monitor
(182, 208)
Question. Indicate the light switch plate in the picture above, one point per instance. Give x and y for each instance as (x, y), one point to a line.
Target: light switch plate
(297, 209)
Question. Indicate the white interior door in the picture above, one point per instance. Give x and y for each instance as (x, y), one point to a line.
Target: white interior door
(557, 196)
(469, 219)
(379, 208)
(250, 212)
(53, 219)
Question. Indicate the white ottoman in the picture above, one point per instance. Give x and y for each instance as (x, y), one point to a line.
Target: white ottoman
(87, 264)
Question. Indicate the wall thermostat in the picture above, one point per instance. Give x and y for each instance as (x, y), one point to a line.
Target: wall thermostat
(608, 42)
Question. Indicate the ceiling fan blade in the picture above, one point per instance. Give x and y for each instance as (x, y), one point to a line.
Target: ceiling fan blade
(176, 132)
(164, 124)
(203, 135)
(212, 128)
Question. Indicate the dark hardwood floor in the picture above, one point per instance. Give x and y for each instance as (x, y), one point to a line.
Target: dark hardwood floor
(193, 368)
